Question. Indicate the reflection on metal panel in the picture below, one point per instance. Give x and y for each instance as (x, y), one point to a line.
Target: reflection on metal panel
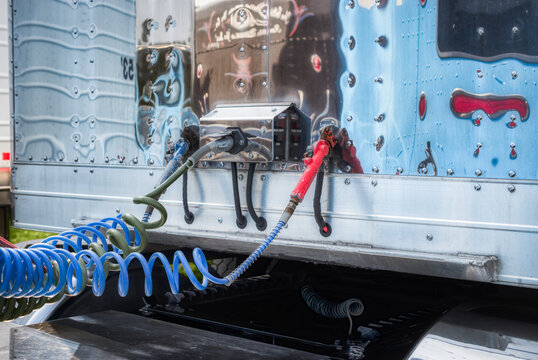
(496, 332)
(74, 81)
(231, 54)
(164, 22)
(392, 71)
(164, 77)
(163, 98)
(488, 30)
(305, 61)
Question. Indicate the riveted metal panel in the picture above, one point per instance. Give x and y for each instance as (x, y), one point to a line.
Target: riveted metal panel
(231, 53)
(73, 81)
(395, 62)
(461, 223)
(420, 225)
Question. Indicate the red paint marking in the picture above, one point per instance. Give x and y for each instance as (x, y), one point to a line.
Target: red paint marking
(316, 62)
(512, 124)
(6, 156)
(464, 104)
(325, 229)
(199, 69)
(513, 154)
(476, 122)
(422, 106)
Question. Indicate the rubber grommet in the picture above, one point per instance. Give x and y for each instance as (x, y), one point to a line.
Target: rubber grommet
(262, 224)
(326, 230)
(189, 218)
(241, 223)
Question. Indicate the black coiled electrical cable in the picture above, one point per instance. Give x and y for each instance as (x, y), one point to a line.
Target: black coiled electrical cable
(324, 228)
(261, 223)
(326, 308)
(189, 216)
(240, 220)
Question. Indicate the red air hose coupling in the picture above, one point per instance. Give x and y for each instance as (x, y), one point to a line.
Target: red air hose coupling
(313, 164)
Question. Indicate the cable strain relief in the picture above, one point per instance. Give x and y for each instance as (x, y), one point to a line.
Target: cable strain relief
(241, 223)
(261, 224)
(229, 279)
(326, 230)
(189, 218)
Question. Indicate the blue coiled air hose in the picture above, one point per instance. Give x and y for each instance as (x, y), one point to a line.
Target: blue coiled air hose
(43, 273)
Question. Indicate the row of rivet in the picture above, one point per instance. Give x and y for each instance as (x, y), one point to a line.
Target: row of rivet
(381, 41)
(511, 188)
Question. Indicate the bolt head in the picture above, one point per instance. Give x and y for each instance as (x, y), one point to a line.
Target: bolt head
(477, 187)
(349, 118)
(511, 188)
(374, 183)
(478, 172)
(512, 173)
(351, 80)
(263, 177)
(450, 172)
(375, 169)
(399, 170)
(219, 220)
(429, 237)
(347, 181)
(512, 145)
(351, 43)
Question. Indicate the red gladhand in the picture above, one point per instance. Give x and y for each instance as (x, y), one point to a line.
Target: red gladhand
(312, 167)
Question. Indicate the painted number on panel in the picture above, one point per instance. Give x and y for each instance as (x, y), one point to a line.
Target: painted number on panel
(127, 67)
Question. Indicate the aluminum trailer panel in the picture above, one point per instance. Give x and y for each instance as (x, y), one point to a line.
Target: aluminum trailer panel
(437, 173)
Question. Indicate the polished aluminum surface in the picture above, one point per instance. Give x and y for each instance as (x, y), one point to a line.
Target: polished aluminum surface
(493, 332)
(256, 121)
(74, 73)
(163, 93)
(487, 235)
(82, 149)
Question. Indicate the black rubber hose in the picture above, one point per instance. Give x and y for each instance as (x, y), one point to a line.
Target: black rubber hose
(189, 216)
(240, 220)
(324, 228)
(261, 223)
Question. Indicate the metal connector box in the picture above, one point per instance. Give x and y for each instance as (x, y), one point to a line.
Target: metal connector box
(275, 131)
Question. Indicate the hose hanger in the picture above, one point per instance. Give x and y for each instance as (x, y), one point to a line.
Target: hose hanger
(324, 227)
(261, 223)
(189, 216)
(240, 220)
